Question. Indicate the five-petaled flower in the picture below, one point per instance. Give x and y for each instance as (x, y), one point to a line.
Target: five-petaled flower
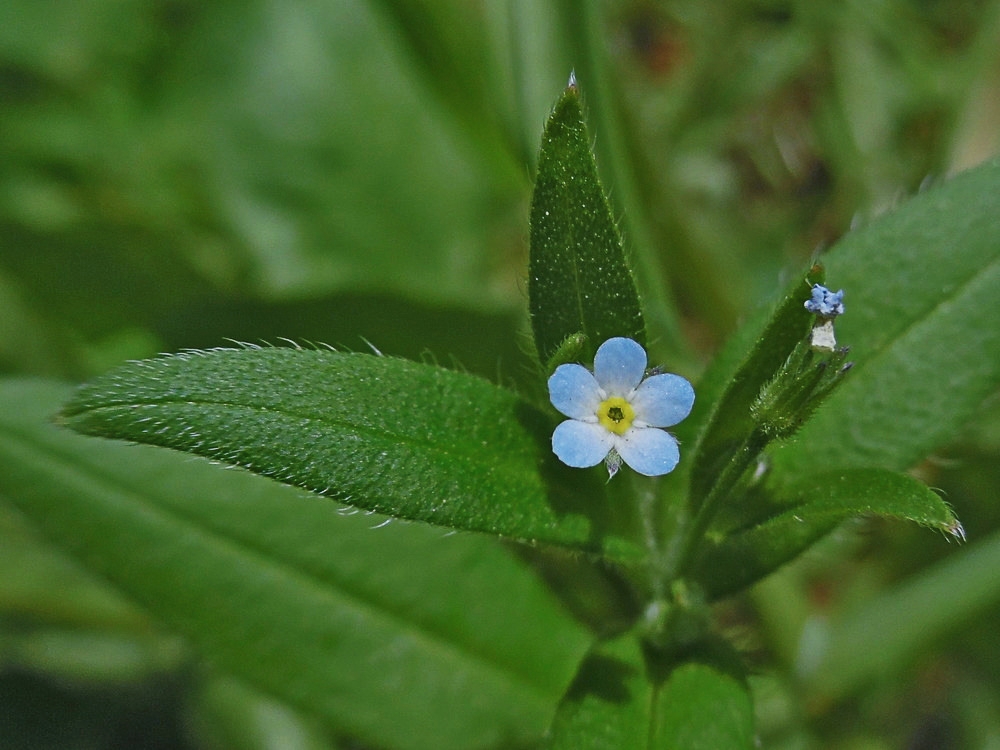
(615, 413)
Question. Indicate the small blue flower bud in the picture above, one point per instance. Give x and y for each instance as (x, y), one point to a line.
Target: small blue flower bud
(825, 303)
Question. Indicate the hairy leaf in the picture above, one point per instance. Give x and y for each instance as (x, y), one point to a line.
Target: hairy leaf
(578, 281)
(410, 440)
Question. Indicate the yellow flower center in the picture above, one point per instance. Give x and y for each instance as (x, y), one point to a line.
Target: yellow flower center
(616, 415)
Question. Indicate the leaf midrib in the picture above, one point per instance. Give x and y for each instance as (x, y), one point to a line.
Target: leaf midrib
(499, 458)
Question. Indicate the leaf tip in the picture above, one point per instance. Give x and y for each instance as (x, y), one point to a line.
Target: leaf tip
(956, 529)
(571, 84)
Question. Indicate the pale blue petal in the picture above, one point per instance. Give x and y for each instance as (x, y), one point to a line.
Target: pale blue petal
(581, 444)
(648, 451)
(663, 400)
(619, 366)
(574, 392)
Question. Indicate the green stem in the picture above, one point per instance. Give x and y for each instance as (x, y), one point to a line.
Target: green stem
(691, 533)
(646, 496)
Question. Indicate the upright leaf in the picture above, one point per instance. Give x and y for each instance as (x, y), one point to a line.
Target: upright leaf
(401, 636)
(383, 434)
(921, 285)
(578, 281)
(608, 705)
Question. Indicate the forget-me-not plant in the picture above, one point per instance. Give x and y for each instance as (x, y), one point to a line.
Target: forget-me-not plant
(614, 413)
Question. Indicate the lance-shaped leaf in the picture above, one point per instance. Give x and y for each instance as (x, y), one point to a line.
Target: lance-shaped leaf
(921, 288)
(578, 281)
(402, 636)
(384, 434)
(814, 507)
(617, 702)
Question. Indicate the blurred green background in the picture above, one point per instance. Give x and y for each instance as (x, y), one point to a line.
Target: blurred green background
(175, 174)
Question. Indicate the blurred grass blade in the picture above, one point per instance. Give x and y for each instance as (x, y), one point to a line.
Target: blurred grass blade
(887, 633)
(815, 506)
(101, 659)
(370, 629)
(41, 583)
(384, 434)
(228, 714)
(616, 703)
(922, 285)
(578, 281)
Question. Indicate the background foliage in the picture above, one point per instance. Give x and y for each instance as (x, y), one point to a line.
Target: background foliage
(175, 173)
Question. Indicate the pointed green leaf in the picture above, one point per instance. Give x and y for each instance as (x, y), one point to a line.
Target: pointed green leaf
(578, 281)
(372, 629)
(616, 703)
(921, 288)
(396, 437)
(814, 507)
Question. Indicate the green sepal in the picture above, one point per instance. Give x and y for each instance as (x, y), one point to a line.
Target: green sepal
(808, 511)
(572, 349)
(409, 440)
(578, 280)
(803, 382)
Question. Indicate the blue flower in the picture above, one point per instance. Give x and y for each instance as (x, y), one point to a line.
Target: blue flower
(825, 303)
(615, 413)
